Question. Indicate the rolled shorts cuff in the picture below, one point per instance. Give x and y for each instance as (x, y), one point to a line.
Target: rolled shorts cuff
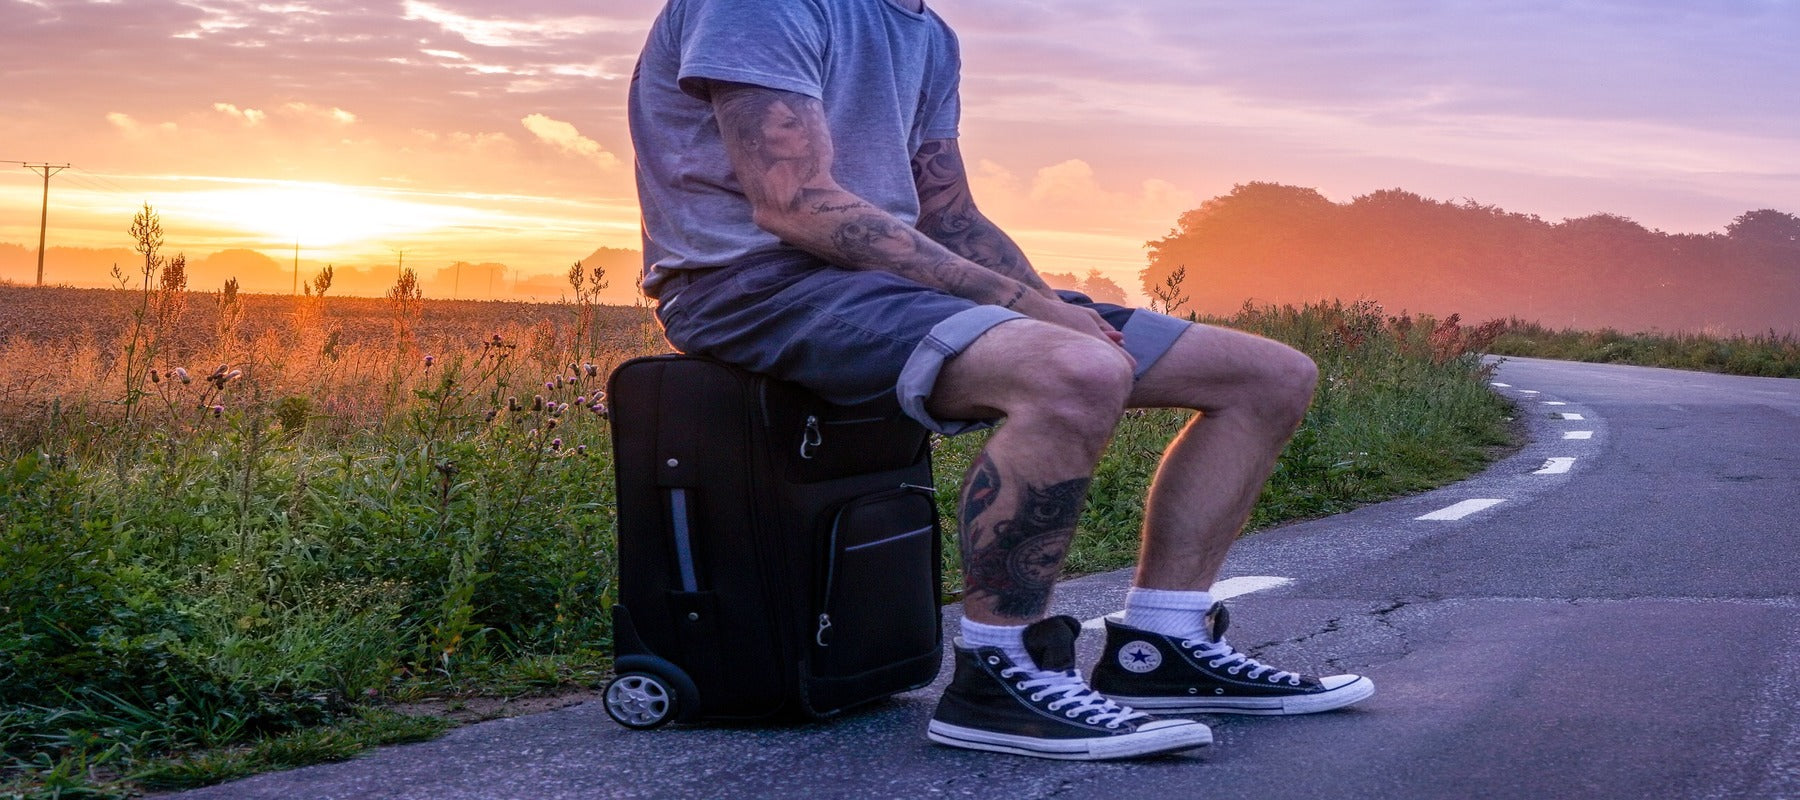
(946, 340)
(1148, 335)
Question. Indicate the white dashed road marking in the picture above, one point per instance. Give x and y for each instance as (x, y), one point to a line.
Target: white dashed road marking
(1556, 466)
(1461, 509)
(1225, 589)
(1528, 391)
(1567, 415)
(1555, 403)
(1578, 434)
(1502, 385)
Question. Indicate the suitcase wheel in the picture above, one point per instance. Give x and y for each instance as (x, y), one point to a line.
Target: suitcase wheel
(640, 700)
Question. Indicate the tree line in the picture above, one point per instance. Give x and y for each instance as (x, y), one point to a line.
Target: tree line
(1272, 243)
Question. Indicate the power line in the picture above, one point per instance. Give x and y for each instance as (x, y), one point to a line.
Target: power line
(101, 178)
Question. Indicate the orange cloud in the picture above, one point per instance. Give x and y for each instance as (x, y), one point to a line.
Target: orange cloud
(250, 116)
(567, 138)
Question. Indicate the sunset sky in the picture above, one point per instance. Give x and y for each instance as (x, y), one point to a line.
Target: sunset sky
(494, 130)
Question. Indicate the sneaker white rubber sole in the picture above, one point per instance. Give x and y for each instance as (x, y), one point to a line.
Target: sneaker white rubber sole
(1341, 690)
(1154, 738)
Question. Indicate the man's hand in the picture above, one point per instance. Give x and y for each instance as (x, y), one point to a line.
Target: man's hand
(1073, 317)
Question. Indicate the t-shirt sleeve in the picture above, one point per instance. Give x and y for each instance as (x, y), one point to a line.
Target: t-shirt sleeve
(943, 94)
(777, 45)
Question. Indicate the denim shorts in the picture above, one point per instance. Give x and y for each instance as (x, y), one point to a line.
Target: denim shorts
(856, 337)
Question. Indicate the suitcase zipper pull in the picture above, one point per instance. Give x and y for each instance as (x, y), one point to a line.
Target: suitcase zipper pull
(811, 438)
(824, 625)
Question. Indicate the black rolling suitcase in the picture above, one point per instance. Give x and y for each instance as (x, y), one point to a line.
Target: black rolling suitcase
(778, 555)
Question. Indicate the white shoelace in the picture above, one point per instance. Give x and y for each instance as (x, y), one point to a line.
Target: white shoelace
(1075, 695)
(1223, 655)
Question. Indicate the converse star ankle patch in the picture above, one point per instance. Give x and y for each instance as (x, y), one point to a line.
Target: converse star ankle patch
(1140, 656)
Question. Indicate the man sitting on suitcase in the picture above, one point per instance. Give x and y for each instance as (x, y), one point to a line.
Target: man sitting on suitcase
(807, 215)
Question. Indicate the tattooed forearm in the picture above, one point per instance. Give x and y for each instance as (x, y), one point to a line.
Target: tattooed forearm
(1017, 296)
(1013, 560)
(947, 214)
(781, 152)
(871, 238)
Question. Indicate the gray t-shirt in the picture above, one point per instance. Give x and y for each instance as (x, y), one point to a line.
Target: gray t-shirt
(887, 78)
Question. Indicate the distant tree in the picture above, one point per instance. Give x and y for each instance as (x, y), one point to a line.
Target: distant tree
(1269, 243)
(1260, 240)
(1095, 285)
(1061, 280)
(1102, 288)
(1765, 227)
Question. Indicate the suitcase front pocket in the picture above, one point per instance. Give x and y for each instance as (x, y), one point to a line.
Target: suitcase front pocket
(879, 589)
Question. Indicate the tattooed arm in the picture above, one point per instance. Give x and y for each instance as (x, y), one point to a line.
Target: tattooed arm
(948, 215)
(781, 151)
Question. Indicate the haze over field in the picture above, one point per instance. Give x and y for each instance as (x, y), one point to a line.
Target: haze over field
(492, 133)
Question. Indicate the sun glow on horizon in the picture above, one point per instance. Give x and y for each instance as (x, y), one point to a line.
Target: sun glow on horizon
(320, 214)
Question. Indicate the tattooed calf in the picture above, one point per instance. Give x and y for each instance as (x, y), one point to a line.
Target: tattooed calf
(1017, 560)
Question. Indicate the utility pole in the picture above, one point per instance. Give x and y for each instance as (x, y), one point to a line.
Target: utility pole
(44, 219)
(296, 267)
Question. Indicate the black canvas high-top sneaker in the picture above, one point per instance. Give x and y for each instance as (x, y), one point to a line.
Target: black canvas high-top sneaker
(1049, 712)
(1206, 676)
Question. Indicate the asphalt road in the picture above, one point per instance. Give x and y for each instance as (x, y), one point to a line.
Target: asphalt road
(1623, 623)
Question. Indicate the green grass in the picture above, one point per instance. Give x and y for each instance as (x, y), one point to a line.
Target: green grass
(195, 591)
(1770, 355)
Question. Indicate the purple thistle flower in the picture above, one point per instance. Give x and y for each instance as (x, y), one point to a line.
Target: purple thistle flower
(581, 449)
(537, 402)
(512, 403)
(182, 373)
(217, 411)
(581, 400)
(429, 360)
(556, 443)
(492, 413)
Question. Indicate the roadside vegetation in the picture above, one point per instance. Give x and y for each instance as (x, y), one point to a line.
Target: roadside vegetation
(1769, 355)
(228, 548)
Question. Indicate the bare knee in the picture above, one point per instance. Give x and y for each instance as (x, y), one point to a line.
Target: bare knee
(1287, 382)
(1076, 390)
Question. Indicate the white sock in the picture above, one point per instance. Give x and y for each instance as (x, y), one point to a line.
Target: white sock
(1009, 638)
(1169, 613)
